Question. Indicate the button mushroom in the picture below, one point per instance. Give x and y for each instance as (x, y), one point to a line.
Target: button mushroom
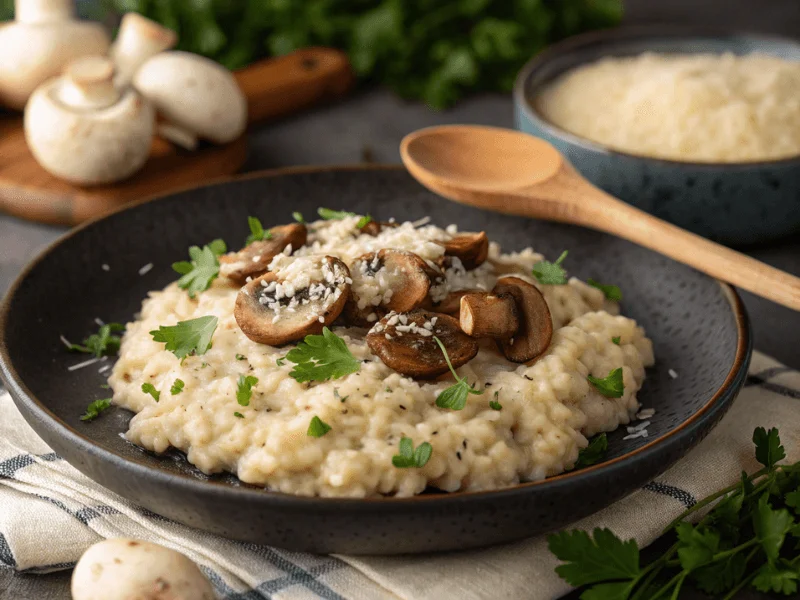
(81, 128)
(124, 569)
(515, 314)
(254, 259)
(138, 39)
(294, 302)
(404, 342)
(197, 97)
(471, 248)
(386, 280)
(39, 43)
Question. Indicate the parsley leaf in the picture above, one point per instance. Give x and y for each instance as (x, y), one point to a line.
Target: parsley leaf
(203, 268)
(149, 388)
(95, 408)
(338, 215)
(611, 386)
(100, 343)
(615, 340)
(768, 447)
(241, 357)
(187, 337)
(593, 453)
(239, 415)
(594, 559)
(454, 397)
(322, 357)
(298, 216)
(363, 221)
(410, 458)
(495, 405)
(696, 546)
(244, 389)
(612, 292)
(548, 273)
(338, 396)
(774, 578)
(257, 231)
(317, 427)
(177, 387)
(771, 527)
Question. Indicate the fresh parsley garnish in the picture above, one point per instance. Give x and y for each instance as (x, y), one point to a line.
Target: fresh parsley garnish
(611, 386)
(317, 427)
(105, 386)
(95, 408)
(337, 396)
(100, 343)
(593, 453)
(454, 397)
(411, 458)
(548, 273)
(187, 337)
(257, 231)
(322, 357)
(495, 404)
(298, 216)
(203, 268)
(244, 389)
(177, 387)
(149, 388)
(612, 292)
(338, 215)
(748, 538)
(280, 361)
(241, 357)
(239, 415)
(615, 339)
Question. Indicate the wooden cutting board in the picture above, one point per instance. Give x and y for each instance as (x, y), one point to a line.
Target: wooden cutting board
(274, 88)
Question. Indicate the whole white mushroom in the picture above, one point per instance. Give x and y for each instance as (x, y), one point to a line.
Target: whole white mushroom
(198, 98)
(79, 127)
(138, 39)
(125, 569)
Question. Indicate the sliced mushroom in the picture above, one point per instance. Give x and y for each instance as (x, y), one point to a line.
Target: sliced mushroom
(394, 280)
(373, 228)
(535, 323)
(253, 259)
(273, 311)
(404, 342)
(485, 315)
(471, 248)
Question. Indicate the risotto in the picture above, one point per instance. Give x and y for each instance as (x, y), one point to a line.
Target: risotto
(387, 294)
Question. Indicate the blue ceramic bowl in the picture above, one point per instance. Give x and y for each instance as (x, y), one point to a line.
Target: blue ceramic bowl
(733, 203)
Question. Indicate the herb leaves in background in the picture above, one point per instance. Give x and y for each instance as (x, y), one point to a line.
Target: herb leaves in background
(257, 231)
(100, 343)
(433, 51)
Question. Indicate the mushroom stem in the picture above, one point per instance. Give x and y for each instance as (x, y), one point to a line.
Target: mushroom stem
(138, 39)
(89, 84)
(488, 316)
(43, 11)
(177, 135)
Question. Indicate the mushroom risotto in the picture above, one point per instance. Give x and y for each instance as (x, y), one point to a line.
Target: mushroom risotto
(350, 357)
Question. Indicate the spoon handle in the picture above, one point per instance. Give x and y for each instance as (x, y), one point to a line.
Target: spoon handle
(606, 213)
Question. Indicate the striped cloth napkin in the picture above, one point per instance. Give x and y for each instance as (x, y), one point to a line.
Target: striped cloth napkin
(44, 500)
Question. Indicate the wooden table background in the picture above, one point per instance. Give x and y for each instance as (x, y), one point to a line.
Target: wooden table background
(370, 125)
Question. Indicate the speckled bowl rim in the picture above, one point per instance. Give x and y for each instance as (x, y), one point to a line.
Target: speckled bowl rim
(605, 470)
(522, 100)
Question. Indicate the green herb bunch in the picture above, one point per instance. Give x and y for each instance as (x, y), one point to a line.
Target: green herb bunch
(750, 537)
(434, 50)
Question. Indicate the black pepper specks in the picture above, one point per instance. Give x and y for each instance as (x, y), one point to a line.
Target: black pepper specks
(458, 454)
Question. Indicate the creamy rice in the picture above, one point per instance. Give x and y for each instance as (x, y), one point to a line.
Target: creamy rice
(548, 408)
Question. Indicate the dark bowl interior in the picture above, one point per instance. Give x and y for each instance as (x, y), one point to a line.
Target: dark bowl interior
(698, 326)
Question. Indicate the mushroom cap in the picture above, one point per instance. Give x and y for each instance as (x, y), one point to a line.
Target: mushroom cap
(404, 342)
(195, 93)
(121, 569)
(395, 280)
(373, 228)
(274, 310)
(485, 315)
(471, 248)
(535, 323)
(80, 129)
(254, 259)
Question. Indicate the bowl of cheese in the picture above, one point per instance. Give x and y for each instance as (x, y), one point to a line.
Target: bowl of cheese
(700, 129)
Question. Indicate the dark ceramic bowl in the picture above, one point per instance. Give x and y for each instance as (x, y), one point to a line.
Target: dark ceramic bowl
(699, 327)
(739, 203)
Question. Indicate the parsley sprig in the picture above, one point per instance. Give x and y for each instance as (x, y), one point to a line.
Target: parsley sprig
(612, 292)
(338, 215)
(202, 268)
(100, 343)
(322, 357)
(95, 408)
(411, 458)
(187, 337)
(611, 386)
(244, 389)
(257, 231)
(745, 540)
(455, 397)
(551, 273)
(593, 453)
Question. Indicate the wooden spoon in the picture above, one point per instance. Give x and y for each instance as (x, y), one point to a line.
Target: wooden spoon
(515, 173)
